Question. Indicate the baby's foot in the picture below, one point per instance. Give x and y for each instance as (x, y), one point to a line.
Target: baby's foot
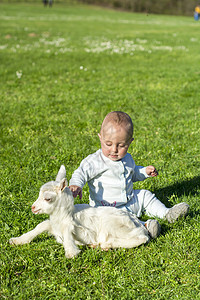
(177, 211)
(153, 228)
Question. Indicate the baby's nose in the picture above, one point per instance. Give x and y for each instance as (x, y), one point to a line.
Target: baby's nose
(114, 148)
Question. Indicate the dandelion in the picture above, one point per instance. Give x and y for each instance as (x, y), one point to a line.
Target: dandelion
(81, 67)
(19, 74)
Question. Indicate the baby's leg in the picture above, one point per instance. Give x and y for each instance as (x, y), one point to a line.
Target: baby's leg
(149, 204)
(136, 206)
(153, 207)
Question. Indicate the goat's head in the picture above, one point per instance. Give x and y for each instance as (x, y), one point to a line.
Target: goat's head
(53, 195)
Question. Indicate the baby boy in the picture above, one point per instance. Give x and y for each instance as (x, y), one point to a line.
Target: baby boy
(111, 171)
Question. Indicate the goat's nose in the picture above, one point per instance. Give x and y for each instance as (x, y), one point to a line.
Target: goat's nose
(32, 207)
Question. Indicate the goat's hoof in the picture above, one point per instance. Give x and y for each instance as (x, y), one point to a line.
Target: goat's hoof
(13, 241)
(93, 246)
(71, 255)
(18, 241)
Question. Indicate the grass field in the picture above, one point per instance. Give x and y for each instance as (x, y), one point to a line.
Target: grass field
(62, 70)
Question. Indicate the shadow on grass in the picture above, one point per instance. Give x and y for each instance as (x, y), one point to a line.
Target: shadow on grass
(186, 188)
(183, 188)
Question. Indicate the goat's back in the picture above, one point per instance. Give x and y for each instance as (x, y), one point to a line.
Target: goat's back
(110, 220)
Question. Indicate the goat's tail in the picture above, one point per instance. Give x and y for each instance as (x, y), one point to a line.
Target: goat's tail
(61, 173)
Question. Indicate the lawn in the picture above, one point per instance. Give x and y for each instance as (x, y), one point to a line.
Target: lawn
(62, 70)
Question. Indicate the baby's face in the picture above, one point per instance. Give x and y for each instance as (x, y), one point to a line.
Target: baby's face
(115, 141)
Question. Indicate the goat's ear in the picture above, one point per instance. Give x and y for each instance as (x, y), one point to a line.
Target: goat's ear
(63, 184)
(61, 173)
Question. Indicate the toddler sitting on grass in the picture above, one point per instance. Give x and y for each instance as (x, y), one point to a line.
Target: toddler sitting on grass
(110, 173)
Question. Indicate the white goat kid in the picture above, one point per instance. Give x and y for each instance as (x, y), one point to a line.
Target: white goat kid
(80, 224)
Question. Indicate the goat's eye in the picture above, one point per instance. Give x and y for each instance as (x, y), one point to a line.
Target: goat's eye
(47, 199)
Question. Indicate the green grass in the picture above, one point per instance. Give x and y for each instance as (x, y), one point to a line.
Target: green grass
(74, 64)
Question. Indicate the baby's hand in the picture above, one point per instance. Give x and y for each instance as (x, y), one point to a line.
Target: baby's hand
(151, 171)
(76, 191)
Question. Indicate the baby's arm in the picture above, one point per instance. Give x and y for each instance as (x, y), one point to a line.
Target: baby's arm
(76, 191)
(151, 171)
(78, 180)
(141, 173)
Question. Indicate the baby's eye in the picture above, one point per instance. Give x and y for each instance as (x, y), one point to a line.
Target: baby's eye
(108, 144)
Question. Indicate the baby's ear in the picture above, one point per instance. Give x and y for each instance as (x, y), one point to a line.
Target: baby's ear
(63, 184)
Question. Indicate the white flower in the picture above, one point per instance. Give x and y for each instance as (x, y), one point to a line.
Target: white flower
(19, 74)
(2, 47)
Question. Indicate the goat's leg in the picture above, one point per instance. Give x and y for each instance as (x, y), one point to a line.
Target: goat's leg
(30, 235)
(125, 243)
(69, 244)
